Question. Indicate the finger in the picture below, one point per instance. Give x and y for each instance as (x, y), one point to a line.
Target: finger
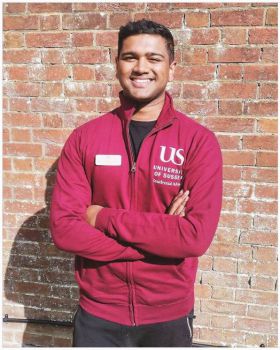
(180, 194)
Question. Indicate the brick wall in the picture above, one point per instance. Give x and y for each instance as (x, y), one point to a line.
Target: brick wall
(59, 73)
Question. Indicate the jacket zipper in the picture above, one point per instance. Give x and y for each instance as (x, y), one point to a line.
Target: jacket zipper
(133, 205)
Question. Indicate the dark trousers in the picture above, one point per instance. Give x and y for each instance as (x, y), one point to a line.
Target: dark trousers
(91, 331)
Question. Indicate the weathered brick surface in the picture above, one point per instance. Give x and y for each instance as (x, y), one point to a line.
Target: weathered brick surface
(58, 73)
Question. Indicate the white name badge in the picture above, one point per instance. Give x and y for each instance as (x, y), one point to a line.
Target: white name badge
(108, 159)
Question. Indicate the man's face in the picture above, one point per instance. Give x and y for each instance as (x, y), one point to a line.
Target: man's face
(143, 67)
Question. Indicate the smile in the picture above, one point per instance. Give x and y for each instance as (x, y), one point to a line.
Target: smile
(140, 83)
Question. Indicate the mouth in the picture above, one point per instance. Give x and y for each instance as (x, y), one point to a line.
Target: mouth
(141, 82)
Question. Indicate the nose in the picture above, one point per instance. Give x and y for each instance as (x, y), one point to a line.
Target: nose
(141, 66)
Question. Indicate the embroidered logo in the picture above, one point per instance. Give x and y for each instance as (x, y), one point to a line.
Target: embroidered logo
(175, 155)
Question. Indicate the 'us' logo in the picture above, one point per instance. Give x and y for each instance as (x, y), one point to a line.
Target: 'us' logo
(173, 155)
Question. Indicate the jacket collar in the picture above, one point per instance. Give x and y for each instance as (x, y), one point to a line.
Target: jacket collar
(127, 108)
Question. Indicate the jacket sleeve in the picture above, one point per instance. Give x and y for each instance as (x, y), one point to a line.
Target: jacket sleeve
(70, 199)
(173, 236)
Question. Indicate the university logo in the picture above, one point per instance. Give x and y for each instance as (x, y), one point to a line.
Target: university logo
(172, 155)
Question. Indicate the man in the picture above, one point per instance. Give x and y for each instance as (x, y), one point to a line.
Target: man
(137, 200)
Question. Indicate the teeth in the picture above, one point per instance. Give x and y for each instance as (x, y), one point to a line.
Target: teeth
(142, 80)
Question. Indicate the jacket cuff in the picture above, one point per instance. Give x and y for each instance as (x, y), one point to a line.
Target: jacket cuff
(103, 219)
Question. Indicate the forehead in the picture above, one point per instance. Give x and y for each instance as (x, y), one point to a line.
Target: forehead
(145, 42)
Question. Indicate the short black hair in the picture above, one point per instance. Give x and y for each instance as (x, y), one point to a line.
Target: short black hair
(146, 27)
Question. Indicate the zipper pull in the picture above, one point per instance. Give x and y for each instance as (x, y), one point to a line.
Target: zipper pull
(133, 169)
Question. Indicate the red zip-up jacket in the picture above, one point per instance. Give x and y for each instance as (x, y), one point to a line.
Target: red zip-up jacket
(138, 264)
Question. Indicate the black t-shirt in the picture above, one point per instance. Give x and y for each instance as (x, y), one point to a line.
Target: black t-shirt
(138, 130)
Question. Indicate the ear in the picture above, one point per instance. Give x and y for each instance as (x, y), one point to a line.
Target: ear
(172, 71)
(117, 64)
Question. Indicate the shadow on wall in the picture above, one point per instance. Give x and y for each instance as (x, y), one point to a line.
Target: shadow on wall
(41, 278)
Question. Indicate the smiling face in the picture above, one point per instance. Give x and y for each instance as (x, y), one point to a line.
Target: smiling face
(144, 67)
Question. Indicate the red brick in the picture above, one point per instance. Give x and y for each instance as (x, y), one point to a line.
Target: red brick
(197, 19)
(17, 72)
(229, 235)
(225, 90)
(229, 142)
(195, 56)
(230, 72)
(6, 164)
(19, 104)
(105, 105)
(234, 36)
(50, 135)
(80, 7)
(261, 72)
(259, 175)
(171, 20)
(246, 17)
(203, 291)
(260, 142)
(230, 108)
(86, 56)
(238, 158)
(263, 36)
(84, 21)
(265, 191)
(21, 22)
(263, 326)
(105, 72)
(265, 254)
(195, 5)
(52, 56)
(174, 89)
(47, 40)
(116, 20)
(233, 189)
(107, 38)
(22, 149)
(230, 124)
(194, 91)
(21, 89)
(269, 91)
(261, 108)
(224, 307)
(224, 322)
(204, 36)
(49, 7)
(196, 73)
(271, 17)
(13, 40)
(230, 250)
(85, 89)
(269, 55)
(21, 135)
(51, 105)
(258, 311)
(236, 220)
(267, 159)
(51, 89)
(23, 193)
(265, 223)
(86, 105)
(267, 126)
(220, 293)
(157, 7)
(225, 265)
(52, 72)
(50, 22)
(82, 39)
(23, 165)
(81, 72)
(251, 206)
(14, 7)
(123, 7)
(234, 54)
(257, 297)
(22, 56)
(198, 107)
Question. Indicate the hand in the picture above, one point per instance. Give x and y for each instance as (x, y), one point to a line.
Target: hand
(91, 214)
(178, 204)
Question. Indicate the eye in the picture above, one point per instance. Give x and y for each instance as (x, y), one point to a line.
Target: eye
(128, 58)
(154, 59)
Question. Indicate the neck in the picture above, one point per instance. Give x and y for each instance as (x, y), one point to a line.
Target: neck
(149, 111)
